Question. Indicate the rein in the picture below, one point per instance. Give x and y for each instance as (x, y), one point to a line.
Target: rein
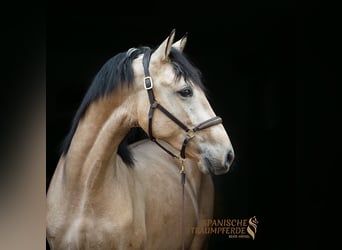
(189, 132)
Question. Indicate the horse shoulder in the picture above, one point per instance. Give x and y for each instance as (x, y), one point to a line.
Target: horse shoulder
(105, 222)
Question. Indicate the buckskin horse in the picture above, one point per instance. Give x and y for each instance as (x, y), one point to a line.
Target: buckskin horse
(109, 191)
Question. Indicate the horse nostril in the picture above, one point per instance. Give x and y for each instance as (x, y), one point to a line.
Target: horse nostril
(230, 158)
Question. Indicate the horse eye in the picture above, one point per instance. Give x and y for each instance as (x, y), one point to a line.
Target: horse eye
(187, 92)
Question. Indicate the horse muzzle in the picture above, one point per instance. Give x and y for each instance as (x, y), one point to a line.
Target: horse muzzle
(216, 167)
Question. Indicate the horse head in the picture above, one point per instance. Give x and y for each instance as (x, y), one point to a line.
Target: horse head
(171, 106)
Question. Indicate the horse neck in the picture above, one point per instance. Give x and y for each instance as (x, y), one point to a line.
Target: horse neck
(93, 150)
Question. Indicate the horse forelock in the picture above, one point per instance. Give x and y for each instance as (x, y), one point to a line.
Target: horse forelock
(183, 67)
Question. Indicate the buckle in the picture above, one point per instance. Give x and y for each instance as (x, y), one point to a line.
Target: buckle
(190, 133)
(154, 104)
(148, 83)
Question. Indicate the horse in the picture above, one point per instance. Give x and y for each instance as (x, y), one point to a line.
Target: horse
(144, 122)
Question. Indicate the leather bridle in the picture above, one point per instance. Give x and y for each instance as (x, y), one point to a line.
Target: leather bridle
(154, 104)
(190, 132)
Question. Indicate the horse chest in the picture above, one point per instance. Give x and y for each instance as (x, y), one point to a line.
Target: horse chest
(100, 233)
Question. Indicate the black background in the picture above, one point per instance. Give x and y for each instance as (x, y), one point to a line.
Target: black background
(256, 65)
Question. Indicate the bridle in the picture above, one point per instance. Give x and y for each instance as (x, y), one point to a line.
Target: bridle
(154, 104)
(189, 132)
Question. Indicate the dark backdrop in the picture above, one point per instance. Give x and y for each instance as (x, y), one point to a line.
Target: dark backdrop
(247, 60)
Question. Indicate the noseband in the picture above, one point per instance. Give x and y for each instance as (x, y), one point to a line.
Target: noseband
(190, 132)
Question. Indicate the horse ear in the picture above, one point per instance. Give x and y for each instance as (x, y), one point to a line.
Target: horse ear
(163, 51)
(180, 44)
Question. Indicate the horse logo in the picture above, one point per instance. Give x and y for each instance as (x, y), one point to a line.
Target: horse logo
(252, 226)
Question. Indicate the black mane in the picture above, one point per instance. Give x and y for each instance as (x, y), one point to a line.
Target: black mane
(113, 74)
